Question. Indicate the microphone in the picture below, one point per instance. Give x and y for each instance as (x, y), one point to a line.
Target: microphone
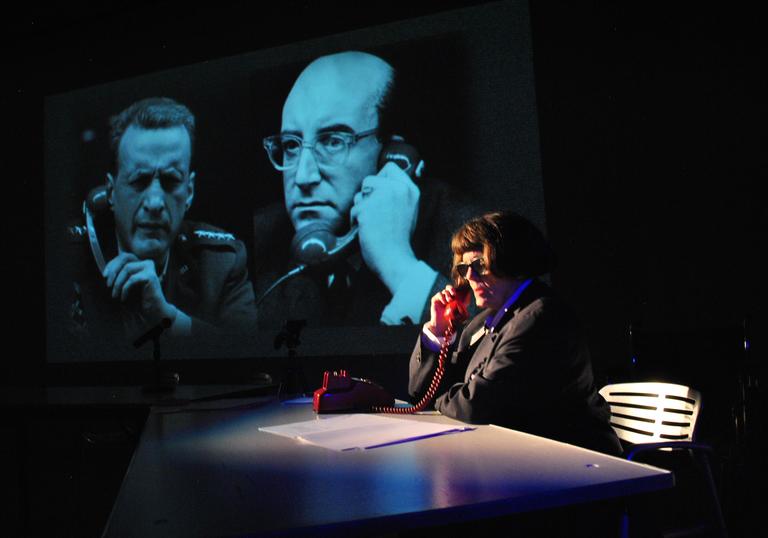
(313, 243)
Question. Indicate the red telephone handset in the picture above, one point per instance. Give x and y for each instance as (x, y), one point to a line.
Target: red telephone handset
(341, 393)
(456, 310)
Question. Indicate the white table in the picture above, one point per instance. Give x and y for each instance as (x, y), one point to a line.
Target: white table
(200, 471)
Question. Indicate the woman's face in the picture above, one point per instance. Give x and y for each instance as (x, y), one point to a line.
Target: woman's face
(490, 291)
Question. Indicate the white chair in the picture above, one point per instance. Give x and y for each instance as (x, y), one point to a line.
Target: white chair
(663, 417)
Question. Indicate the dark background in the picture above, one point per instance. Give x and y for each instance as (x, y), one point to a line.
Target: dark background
(648, 115)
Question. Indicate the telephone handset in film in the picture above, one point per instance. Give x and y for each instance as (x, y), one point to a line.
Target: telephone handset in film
(341, 393)
(95, 203)
(95, 206)
(315, 245)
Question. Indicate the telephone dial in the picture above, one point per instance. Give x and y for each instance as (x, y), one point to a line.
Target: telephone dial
(315, 245)
(341, 393)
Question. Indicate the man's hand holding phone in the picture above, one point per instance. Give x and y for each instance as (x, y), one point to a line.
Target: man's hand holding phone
(126, 273)
(386, 210)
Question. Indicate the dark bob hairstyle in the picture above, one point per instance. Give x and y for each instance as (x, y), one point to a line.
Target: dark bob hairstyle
(513, 246)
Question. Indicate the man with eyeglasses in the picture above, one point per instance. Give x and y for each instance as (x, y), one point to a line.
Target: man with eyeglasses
(523, 361)
(335, 122)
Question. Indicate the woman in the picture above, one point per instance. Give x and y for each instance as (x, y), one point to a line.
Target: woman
(523, 361)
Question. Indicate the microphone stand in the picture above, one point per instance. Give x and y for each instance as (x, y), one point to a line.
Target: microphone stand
(162, 382)
(293, 376)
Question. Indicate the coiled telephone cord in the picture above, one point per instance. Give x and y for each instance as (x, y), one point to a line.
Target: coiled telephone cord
(430, 394)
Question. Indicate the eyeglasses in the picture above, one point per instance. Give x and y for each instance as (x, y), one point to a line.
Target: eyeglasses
(329, 148)
(478, 266)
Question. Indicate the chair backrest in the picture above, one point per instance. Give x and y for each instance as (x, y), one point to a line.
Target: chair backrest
(653, 412)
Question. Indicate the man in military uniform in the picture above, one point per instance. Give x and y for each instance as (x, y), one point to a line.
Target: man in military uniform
(153, 269)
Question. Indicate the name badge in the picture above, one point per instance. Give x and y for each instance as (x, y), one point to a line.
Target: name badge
(477, 336)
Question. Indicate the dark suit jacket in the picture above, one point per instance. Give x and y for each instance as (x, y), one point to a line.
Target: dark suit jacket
(532, 373)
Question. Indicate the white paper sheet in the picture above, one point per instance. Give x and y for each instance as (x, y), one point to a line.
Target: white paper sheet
(360, 431)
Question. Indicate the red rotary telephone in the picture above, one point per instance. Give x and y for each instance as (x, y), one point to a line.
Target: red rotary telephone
(341, 393)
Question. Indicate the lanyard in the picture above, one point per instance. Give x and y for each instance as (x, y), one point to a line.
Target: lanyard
(490, 323)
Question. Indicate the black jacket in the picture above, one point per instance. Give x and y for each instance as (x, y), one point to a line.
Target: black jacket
(532, 373)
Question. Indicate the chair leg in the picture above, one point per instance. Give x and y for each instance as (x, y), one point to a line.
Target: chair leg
(624, 523)
(714, 499)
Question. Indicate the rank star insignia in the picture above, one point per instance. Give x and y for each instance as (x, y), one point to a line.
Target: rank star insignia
(77, 231)
(218, 236)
